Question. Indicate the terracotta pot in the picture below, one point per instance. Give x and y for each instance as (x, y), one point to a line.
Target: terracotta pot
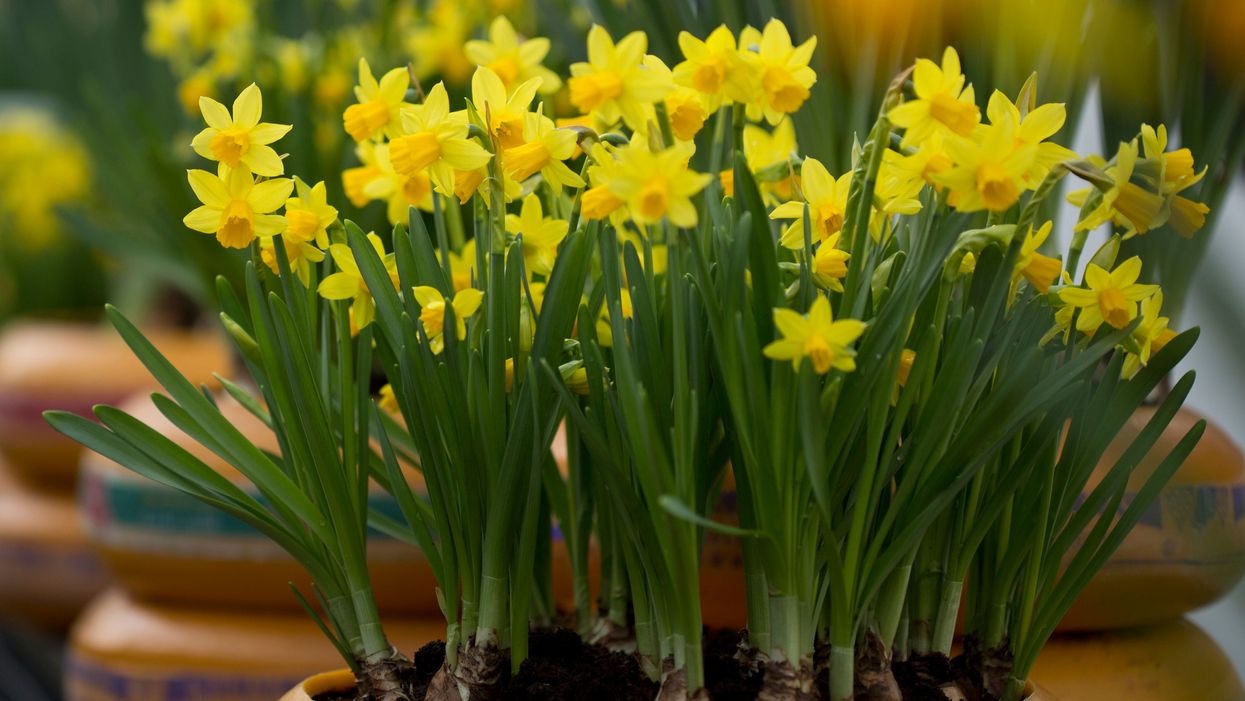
(48, 570)
(126, 650)
(1173, 661)
(1188, 550)
(165, 546)
(722, 589)
(69, 366)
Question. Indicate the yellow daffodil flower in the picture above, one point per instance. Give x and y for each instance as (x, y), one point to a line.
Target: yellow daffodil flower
(827, 204)
(767, 151)
(506, 113)
(1185, 215)
(818, 337)
(1124, 202)
(356, 179)
(686, 112)
(712, 67)
(1151, 334)
(462, 266)
(1040, 270)
(990, 173)
(659, 185)
(541, 235)
(300, 254)
(240, 138)
(308, 215)
(432, 313)
(348, 282)
(388, 401)
(379, 108)
(512, 59)
(830, 264)
(435, 141)
(923, 166)
(1111, 296)
(600, 200)
(605, 330)
(1033, 129)
(779, 75)
(543, 151)
(235, 207)
(614, 83)
(943, 104)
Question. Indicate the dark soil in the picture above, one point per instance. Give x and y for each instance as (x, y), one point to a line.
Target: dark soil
(559, 667)
(726, 676)
(920, 677)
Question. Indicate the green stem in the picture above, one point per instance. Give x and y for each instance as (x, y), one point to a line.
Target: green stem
(842, 672)
(948, 611)
(1015, 690)
(891, 600)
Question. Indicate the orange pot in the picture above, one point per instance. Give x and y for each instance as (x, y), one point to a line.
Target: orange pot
(125, 650)
(165, 546)
(1173, 661)
(1189, 549)
(73, 366)
(342, 680)
(48, 570)
(723, 594)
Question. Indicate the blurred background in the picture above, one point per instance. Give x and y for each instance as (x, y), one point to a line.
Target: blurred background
(113, 589)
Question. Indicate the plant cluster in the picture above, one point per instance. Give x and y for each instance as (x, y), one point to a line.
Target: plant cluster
(906, 384)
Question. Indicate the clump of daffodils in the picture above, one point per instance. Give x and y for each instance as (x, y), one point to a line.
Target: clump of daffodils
(43, 168)
(881, 355)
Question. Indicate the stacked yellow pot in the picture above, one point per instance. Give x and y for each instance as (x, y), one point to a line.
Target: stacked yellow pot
(202, 607)
(47, 569)
(1126, 637)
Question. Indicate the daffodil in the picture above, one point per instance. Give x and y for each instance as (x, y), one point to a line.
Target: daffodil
(235, 207)
(356, 179)
(922, 166)
(659, 185)
(1033, 129)
(614, 83)
(432, 313)
(712, 67)
(1129, 205)
(779, 75)
(387, 400)
(240, 139)
(1040, 270)
(830, 264)
(543, 151)
(686, 111)
(943, 105)
(348, 282)
(827, 204)
(1111, 296)
(514, 60)
(462, 266)
(308, 215)
(435, 141)
(1151, 334)
(605, 330)
(300, 254)
(768, 153)
(600, 200)
(436, 45)
(505, 112)
(989, 173)
(1185, 215)
(380, 104)
(540, 234)
(825, 342)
